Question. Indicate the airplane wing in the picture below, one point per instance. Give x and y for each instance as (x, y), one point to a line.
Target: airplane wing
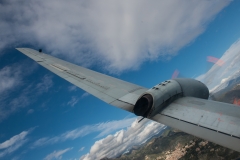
(111, 90)
(214, 121)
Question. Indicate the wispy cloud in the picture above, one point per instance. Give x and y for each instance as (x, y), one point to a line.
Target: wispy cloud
(123, 140)
(30, 111)
(103, 129)
(9, 104)
(74, 100)
(85, 95)
(81, 149)
(12, 75)
(57, 154)
(9, 78)
(72, 88)
(14, 143)
(121, 32)
(44, 85)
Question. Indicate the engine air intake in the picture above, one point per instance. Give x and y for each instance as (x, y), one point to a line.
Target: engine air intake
(143, 105)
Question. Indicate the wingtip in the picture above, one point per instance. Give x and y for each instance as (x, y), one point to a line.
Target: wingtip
(19, 49)
(22, 49)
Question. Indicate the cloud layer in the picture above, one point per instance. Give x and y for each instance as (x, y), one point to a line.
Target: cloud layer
(57, 154)
(106, 32)
(121, 135)
(102, 128)
(123, 140)
(28, 92)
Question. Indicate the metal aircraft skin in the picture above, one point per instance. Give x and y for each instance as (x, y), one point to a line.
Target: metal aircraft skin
(179, 103)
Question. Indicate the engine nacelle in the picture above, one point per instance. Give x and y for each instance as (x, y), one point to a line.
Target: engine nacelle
(161, 95)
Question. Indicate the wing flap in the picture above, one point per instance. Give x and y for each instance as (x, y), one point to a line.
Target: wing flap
(206, 119)
(111, 90)
(199, 131)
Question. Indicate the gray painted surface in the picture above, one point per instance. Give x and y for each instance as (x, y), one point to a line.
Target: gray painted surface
(217, 116)
(207, 134)
(106, 88)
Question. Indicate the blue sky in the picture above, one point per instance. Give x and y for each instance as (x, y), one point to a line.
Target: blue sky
(44, 117)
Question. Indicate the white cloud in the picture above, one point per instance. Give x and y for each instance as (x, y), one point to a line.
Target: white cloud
(123, 140)
(74, 100)
(57, 154)
(81, 149)
(218, 75)
(44, 85)
(103, 129)
(11, 79)
(13, 140)
(85, 95)
(119, 34)
(72, 88)
(30, 111)
(11, 76)
(14, 143)
(28, 93)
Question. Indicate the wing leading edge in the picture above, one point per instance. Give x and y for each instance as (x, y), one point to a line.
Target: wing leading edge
(210, 120)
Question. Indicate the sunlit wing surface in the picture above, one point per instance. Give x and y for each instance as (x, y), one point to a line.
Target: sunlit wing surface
(214, 121)
(210, 120)
(111, 90)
